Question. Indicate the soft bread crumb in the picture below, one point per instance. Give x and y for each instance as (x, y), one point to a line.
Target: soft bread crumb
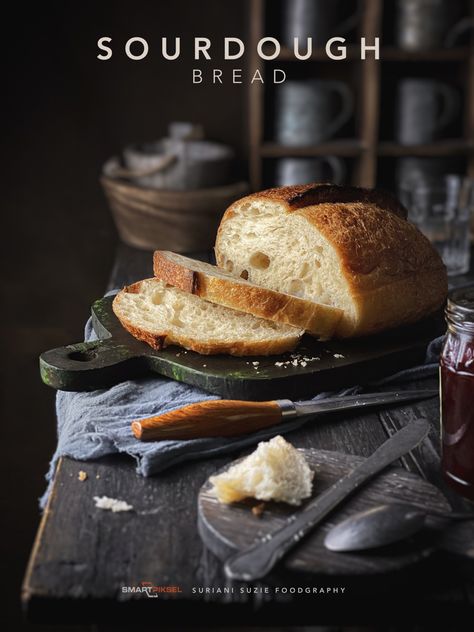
(111, 504)
(82, 475)
(163, 315)
(274, 471)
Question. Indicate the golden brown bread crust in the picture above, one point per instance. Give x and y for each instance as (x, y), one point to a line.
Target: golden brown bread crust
(174, 274)
(302, 195)
(161, 340)
(316, 318)
(393, 273)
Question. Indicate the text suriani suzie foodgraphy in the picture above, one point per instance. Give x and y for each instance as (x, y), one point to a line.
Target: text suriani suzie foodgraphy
(268, 49)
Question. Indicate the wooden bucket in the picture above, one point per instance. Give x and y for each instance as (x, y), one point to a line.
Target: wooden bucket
(182, 221)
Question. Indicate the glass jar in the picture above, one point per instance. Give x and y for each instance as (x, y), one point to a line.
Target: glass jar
(457, 393)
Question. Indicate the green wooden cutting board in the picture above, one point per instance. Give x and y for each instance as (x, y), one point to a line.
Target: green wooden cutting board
(313, 367)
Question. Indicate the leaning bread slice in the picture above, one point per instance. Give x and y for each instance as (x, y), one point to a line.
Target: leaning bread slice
(218, 286)
(162, 315)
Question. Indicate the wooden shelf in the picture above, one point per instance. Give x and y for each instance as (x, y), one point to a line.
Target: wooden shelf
(387, 53)
(345, 148)
(449, 147)
(319, 54)
(390, 53)
(366, 150)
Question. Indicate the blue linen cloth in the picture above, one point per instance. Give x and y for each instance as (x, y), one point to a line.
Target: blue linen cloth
(96, 424)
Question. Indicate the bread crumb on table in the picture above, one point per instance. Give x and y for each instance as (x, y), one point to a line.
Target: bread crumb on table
(82, 475)
(111, 504)
(258, 510)
(297, 361)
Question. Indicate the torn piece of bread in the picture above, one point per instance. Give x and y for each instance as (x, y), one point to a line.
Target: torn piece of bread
(162, 315)
(275, 471)
(320, 244)
(218, 286)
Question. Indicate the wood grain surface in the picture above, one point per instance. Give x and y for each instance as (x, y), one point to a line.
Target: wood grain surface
(83, 556)
(227, 529)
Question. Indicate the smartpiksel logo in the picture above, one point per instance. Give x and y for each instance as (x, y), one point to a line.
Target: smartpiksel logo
(149, 589)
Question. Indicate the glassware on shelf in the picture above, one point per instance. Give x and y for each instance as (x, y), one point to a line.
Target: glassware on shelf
(442, 210)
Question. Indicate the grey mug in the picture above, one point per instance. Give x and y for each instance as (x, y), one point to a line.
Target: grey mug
(424, 24)
(424, 107)
(290, 171)
(306, 111)
(318, 19)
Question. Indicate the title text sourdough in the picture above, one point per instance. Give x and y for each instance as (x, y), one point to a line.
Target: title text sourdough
(268, 48)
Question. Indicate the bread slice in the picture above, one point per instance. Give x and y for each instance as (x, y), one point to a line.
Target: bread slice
(274, 471)
(358, 256)
(217, 286)
(163, 315)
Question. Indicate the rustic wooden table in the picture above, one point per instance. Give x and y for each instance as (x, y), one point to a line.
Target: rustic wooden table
(82, 557)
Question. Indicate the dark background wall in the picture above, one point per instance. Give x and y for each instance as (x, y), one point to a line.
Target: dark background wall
(65, 113)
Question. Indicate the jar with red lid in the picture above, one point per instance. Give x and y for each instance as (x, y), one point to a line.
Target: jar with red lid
(457, 393)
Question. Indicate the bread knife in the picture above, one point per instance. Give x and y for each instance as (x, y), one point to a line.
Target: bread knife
(231, 418)
(255, 562)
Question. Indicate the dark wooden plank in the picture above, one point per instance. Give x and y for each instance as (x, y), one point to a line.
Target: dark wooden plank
(81, 550)
(227, 529)
(327, 365)
(448, 147)
(369, 96)
(83, 556)
(256, 95)
(340, 147)
(86, 552)
(318, 54)
(392, 53)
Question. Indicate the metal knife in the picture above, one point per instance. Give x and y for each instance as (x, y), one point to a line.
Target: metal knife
(256, 562)
(229, 418)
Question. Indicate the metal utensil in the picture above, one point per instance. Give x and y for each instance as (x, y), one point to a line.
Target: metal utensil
(256, 562)
(228, 418)
(382, 525)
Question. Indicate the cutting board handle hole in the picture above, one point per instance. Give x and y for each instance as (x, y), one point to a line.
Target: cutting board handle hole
(83, 356)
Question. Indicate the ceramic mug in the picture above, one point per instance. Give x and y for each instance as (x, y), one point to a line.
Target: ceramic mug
(290, 171)
(318, 19)
(179, 165)
(424, 108)
(306, 111)
(424, 24)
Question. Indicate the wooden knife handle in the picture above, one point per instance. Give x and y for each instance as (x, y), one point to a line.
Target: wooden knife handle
(213, 418)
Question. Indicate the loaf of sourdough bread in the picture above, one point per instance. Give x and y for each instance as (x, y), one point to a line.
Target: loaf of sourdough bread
(162, 315)
(349, 248)
(218, 286)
